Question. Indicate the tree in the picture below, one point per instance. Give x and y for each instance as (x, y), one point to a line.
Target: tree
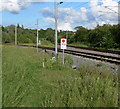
(18, 26)
(81, 34)
(49, 34)
(101, 37)
(115, 31)
(3, 28)
(22, 27)
(106, 36)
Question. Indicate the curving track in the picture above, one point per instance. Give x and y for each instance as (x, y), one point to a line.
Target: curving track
(99, 50)
(115, 59)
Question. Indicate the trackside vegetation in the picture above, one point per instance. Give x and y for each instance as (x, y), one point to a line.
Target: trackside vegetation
(29, 83)
(103, 37)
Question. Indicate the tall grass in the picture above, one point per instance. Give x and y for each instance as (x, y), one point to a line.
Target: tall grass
(26, 83)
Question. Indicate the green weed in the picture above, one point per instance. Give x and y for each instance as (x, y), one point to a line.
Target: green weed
(27, 84)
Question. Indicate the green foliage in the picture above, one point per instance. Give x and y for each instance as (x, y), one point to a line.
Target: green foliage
(26, 83)
(24, 35)
(115, 31)
(105, 37)
(18, 26)
(69, 35)
(101, 37)
(6, 37)
(42, 33)
(81, 34)
(46, 43)
(50, 35)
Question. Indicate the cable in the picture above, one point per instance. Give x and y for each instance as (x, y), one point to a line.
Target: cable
(111, 10)
(67, 4)
(99, 4)
(78, 5)
(81, 5)
(88, 6)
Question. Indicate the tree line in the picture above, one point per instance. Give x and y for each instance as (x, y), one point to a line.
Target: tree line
(106, 36)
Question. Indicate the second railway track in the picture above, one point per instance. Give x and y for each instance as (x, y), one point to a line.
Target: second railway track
(98, 50)
(101, 57)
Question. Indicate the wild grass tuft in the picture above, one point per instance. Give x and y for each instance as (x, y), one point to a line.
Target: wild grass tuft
(26, 83)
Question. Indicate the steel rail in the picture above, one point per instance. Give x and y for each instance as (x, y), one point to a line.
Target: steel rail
(101, 57)
(99, 50)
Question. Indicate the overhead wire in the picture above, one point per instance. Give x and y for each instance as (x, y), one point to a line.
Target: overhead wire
(112, 10)
(99, 4)
(81, 5)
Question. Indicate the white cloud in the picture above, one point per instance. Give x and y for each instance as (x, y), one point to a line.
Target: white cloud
(61, 26)
(15, 6)
(69, 17)
(97, 14)
(108, 10)
(65, 26)
(50, 20)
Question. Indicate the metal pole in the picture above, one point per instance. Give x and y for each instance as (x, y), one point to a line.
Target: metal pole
(37, 37)
(63, 57)
(15, 35)
(66, 34)
(56, 21)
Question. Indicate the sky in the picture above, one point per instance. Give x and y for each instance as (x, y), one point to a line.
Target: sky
(71, 13)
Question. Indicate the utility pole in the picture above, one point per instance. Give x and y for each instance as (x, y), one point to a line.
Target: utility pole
(66, 34)
(56, 24)
(56, 21)
(15, 34)
(37, 37)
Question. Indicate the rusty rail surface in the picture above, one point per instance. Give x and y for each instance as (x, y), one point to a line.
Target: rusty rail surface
(101, 57)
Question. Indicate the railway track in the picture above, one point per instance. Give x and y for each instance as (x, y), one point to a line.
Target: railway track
(98, 50)
(101, 57)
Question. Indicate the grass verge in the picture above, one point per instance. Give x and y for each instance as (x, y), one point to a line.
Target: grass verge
(26, 83)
